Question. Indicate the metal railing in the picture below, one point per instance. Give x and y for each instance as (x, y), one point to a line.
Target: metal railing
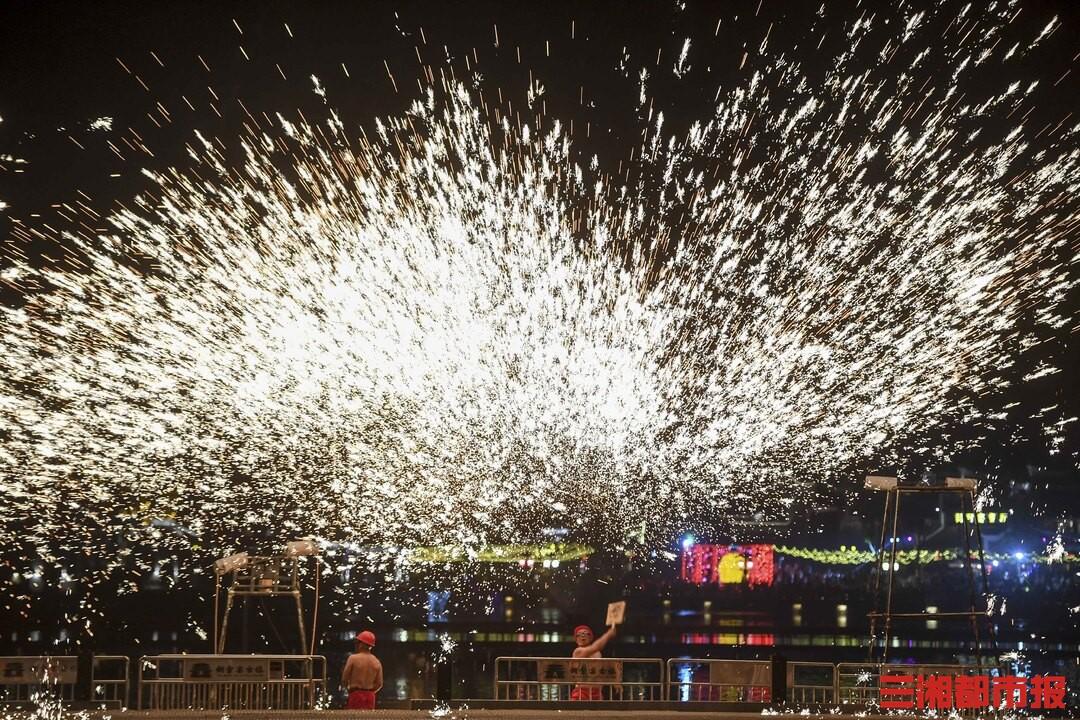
(714, 680)
(109, 681)
(591, 679)
(857, 683)
(811, 683)
(235, 682)
(298, 682)
(38, 679)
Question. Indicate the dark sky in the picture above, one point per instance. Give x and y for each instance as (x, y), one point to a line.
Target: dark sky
(59, 66)
(59, 72)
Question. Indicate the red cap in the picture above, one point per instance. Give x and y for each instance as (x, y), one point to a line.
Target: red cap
(583, 628)
(366, 637)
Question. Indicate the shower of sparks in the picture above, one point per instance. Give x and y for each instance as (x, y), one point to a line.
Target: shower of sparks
(459, 331)
(681, 68)
(446, 648)
(102, 123)
(1055, 551)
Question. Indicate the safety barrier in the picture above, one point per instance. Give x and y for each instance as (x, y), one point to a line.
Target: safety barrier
(712, 680)
(703, 680)
(747, 681)
(857, 683)
(109, 681)
(30, 679)
(594, 679)
(811, 683)
(298, 682)
(235, 682)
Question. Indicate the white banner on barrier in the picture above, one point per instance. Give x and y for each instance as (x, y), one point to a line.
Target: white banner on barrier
(581, 671)
(227, 669)
(34, 670)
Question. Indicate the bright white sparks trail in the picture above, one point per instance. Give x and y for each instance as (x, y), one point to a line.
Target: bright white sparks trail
(456, 332)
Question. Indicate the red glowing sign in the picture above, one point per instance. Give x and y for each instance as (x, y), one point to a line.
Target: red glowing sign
(761, 565)
(704, 564)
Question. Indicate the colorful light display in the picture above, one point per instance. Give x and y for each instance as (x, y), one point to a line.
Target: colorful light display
(704, 564)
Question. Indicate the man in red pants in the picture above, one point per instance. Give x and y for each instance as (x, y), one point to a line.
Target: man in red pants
(362, 675)
(588, 647)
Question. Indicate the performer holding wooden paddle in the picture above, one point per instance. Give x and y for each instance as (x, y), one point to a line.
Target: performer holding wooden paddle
(589, 646)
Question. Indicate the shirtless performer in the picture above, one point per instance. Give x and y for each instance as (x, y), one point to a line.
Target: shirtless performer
(587, 647)
(362, 675)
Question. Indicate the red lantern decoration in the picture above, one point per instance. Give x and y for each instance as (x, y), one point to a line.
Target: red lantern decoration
(761, 568)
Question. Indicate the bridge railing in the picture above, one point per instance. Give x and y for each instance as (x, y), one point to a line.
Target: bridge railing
(235, 682)
(585, 679)
(858, 683)
(747, 681)
(109, 676)
(810, 683)
(716, 680)
(299, 682)
(32, 679)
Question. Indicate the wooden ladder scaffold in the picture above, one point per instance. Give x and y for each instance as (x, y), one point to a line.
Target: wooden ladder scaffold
(265, 577)
(886, 563)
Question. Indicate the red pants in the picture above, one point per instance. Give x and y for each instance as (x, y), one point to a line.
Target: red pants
(361, 700)
(587, 692)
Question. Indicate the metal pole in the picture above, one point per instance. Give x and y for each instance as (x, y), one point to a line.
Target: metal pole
(217, 593)
(877, 578)
(892, 569)
(315, 617)
(971, 577)
(225, 622)
(300, 619)
(985, 580)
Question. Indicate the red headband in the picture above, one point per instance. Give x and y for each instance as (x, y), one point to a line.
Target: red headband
(583, 628)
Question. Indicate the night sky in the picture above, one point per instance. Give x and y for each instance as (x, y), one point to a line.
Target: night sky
(62, 71)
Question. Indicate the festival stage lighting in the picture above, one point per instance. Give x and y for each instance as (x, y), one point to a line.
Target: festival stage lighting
(880, 482)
